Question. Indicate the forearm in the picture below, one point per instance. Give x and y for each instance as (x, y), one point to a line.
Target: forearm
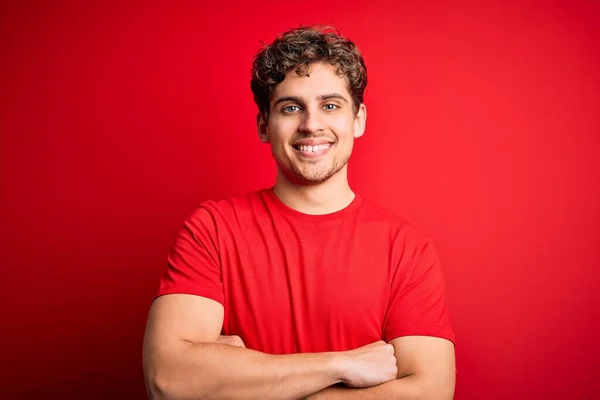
(217, 371)
(408, 388)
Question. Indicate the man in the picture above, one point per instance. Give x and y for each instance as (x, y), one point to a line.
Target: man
(303, 290)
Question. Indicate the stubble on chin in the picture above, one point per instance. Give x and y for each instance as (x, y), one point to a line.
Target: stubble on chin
(312, 174)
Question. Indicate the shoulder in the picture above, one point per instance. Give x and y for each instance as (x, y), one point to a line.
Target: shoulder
(220, 211)
(399, 226)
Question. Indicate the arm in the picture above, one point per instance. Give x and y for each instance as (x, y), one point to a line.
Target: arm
(418, 320)
(426, 370)
(183, 361)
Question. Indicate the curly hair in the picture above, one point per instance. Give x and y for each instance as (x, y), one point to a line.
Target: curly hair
(295, 50)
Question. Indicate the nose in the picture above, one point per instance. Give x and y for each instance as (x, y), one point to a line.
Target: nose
(311, 122)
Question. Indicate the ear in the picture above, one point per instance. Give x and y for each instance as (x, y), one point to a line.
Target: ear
(360, 121)
(263, 128)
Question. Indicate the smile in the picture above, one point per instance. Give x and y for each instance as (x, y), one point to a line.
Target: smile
(312, 151)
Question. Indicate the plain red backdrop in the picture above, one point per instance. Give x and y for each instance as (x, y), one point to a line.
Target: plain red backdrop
(117, 120)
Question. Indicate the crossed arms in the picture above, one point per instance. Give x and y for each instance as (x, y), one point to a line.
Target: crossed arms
(186, 358)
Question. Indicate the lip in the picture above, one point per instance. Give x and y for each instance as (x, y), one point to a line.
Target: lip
(313, 154)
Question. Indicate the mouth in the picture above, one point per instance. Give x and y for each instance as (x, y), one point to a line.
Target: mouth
(312, 151)
(312, 148)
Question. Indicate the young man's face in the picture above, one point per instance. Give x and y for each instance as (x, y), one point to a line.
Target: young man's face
(311, 124)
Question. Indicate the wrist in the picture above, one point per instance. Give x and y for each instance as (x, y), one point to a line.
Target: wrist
(338, 363)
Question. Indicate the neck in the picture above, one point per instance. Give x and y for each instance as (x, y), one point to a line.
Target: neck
(324, 198)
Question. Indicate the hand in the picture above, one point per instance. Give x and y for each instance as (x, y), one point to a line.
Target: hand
(233, 340)
(369, 365)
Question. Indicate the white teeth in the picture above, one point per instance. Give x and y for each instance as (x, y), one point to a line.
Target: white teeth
(314, 148)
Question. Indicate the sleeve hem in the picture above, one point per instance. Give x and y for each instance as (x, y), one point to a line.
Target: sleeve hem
(218, 297)
(421, 331)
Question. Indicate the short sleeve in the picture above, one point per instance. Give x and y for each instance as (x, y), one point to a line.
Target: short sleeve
(417, 303)
(193, 262)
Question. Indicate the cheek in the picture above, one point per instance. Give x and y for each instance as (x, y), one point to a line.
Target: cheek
(343, 129)
(283, 129)
(280, 139)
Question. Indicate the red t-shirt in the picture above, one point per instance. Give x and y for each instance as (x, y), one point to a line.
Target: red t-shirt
(295, 283)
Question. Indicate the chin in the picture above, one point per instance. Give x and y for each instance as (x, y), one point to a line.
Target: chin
(311, 181)
(312, 177)
(302, 174)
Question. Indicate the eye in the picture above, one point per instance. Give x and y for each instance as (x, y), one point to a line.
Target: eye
(291, 109)
(330, 107)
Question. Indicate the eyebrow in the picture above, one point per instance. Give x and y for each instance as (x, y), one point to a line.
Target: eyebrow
(320, 97)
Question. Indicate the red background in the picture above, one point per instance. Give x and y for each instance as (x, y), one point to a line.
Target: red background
(117, 120)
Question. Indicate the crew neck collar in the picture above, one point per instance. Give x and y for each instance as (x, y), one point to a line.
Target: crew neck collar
(285, 209)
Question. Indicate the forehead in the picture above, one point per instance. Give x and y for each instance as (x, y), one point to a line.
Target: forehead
(322, 78)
